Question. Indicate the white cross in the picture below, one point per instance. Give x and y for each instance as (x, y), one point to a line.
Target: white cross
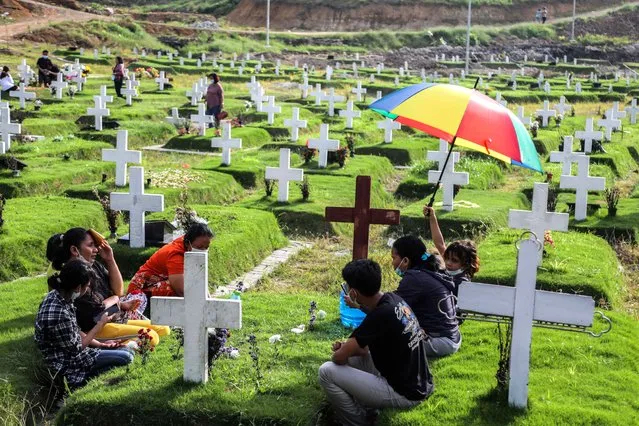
(449, 179)
(195, 313)
(202, 119)
(58, 85)
(271, 109)
(566, 156)
(103, 95)
(253, 85)
(609, 124)
(318, 94)
(589, 135)
(359, 91)
(170, 55)
(194, 94)
(525, 120)
(578, 88)
(539, 220)
(159, 54)
(25, 72)
(329, 72)
(304, 87)
(259, 98)
(332, 98)
(121, 155)
(562, 106)
(129, 91)
(161, 80)
(175, 118)
(499, 100)
(226, 143)
(22, 94)
(79, 80)
(349, 113)
(295, 124)
(524, 305)
(582, 183)
(137, 203)
(545, 114)
(284, 174)
(633, 110)
(134, 83)
(388, 126)
(323, 145)
(440, 156)
(7, 129)
(617, 113)
(98, 111)
(547, 87)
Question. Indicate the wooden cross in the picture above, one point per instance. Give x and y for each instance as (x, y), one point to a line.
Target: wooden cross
(362, 216)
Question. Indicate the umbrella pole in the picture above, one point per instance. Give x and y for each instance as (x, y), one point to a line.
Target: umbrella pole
(450, 152)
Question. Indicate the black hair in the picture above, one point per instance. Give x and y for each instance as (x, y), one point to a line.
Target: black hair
(74, 274)
(215, 77)
(414, 250)
(59, 246)
(119, 60)
(5, 68)
(198, 229)
(466, 252)
(45, 51)
(363, 275)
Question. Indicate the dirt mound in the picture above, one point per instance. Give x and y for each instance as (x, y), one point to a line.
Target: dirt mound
(16, 10)
(162, 17)
(622, 23)
(406, 16)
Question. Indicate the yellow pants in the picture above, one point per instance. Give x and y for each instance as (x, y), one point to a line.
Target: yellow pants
(115, 331)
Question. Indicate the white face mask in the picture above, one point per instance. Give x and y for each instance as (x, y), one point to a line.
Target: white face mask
(75, 295)
(198, 250)
(455, 272)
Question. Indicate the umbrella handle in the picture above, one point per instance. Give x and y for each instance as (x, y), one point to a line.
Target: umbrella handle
(439, 181)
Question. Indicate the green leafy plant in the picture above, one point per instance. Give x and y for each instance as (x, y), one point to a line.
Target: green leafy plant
(612, 196)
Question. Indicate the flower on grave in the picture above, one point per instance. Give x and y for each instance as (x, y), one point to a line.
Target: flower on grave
(72, 90)
(248, 105)
(37, 104)
(321, 314)
(237, 122)
(548, 177)
(112, 216)
(558, 119)
(534, 128)
(145, 345)
(548, 239)
(218, 133)
(86, 70)
(275, 339)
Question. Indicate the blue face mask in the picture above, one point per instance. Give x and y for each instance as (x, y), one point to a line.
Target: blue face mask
(399, 272)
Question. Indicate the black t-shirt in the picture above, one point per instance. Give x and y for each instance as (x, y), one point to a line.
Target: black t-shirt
(397, 345)
(44, 63)
(91, 303)
(427, 292)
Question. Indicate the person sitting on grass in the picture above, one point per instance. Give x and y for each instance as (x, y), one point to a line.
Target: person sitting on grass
(6, 82)
(383, 363)
(105, 290)
(163, 273)
(68, 351)
(460, 257)
(429, 292)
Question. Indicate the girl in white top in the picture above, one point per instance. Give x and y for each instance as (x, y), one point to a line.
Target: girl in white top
(6, 81)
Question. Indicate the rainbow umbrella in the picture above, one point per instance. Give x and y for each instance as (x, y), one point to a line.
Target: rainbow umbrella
(464, 117)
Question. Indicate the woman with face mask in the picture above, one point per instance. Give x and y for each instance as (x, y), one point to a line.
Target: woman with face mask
(428, 291)
(163, 273)
(106, 289)
(69, 352)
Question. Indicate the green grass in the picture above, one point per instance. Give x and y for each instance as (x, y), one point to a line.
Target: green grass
(625, 225)
(579, 263)
(29, 222)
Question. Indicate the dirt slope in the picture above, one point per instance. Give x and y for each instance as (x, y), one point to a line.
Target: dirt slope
(291, 16)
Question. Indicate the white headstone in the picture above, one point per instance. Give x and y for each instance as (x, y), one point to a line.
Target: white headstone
(323, 145)
(58, 85)
(359, 91)
(121, 155)
(633, 110)
(526, 121)
(440, 156)
(578, 88)
(304, 86)
(7, 128)
(609, 124)
(271, 109)
(137, 203)
(22, 94)
(388, 126)
(98, 111)
(349, 113)
(589, 135)
(449, 178)
(129, 91)
(103, 95)
(332, 98)
(226, 143)
(284, 174)
(318, 94)
(195, 312)
(562, 107)
(175, 118)
(295, 124)
(566, 156)
(582, 183)
(545, 113)
(161, 80)
(202, 119)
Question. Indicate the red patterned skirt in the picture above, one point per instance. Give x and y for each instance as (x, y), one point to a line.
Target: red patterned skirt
(151, 285)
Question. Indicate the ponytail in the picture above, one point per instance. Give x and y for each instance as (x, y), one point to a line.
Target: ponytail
(75, 273)
(59, 246)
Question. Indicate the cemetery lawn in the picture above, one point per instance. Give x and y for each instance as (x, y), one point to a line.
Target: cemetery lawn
(573, 376)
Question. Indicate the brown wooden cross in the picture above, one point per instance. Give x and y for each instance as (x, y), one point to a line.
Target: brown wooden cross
(362, 216)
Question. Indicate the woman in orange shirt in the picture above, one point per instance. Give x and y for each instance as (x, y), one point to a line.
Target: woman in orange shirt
(163, 273)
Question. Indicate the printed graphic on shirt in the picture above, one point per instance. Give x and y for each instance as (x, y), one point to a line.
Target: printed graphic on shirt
(411, 325)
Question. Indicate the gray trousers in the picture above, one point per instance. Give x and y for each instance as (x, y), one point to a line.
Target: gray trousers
(442, 346)
(353, 388)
